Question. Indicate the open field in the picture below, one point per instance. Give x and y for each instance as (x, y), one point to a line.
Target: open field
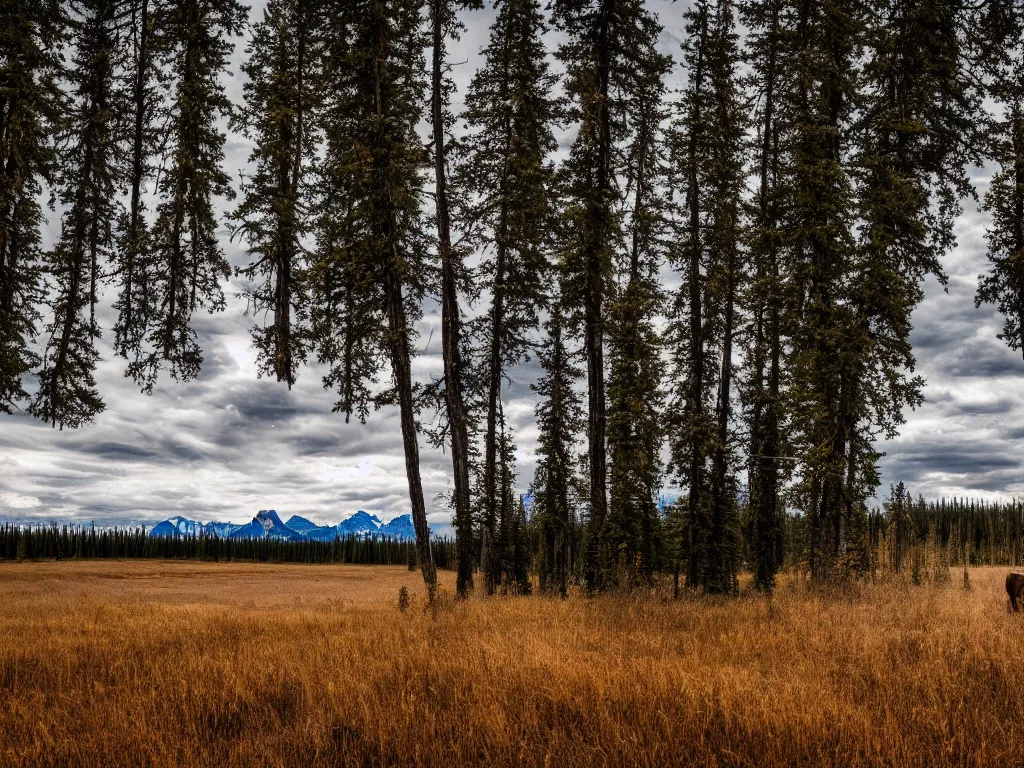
(121, 663)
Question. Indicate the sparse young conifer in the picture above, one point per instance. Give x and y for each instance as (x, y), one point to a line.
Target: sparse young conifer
(559, 420)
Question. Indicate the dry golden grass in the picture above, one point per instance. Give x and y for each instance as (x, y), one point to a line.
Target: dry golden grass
(129, 663)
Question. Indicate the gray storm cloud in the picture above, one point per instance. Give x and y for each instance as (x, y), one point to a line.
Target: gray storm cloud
(230, 443)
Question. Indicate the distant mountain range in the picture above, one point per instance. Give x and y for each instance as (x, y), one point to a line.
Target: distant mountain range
(268, 524)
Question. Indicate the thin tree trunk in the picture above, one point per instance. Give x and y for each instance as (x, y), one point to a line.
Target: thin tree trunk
(450, 322)
(491, 574)
(282, 266)
(401, 363)
(1017, 146)
(401, 366)
(174, 273)
(594, 311)
(765, 442)
(696, 390)
(138, 171)
(719, 501)
(832, 488)
(562, 555)
(290, 179)
(489, 560)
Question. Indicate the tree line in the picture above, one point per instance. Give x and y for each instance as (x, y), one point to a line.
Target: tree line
(716, 279)
(26, 542)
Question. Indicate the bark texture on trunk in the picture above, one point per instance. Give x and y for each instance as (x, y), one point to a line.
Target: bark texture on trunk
(696, 389)
(594, 309)
(450, 323)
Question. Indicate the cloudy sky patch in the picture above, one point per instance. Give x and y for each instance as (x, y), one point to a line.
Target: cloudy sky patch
(230, 443)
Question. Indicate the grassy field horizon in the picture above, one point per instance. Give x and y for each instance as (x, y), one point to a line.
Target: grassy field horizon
(177, 663)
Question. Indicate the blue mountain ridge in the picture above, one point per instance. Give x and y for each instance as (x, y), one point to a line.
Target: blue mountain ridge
(268, 524)
(182, 526)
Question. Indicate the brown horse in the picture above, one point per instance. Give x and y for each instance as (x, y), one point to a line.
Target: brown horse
(1015, 589)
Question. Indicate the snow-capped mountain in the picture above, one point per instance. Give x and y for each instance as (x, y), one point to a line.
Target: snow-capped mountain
(182, 526)
(301, 524)
(360, 524)
(268, 524)
(399, 528)
(221, 529)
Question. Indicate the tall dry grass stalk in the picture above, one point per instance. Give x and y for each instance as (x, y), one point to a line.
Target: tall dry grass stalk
(118, 664)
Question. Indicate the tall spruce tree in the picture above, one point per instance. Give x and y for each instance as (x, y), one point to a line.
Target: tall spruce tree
(371, 267)
(89, 179)
(630, 545)
(132, 265)
(445, 26)
(188, 263)
(723, 237)
(510, 113)
(283, 72)
(707, 163)
(1003, 285)
(917, 135)
(825, 340)
(30, 108)
(607, 52)
(689, 330)
(767, 53)
(559, 421)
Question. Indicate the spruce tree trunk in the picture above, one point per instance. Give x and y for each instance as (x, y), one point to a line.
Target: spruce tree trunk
(765, 429)
(138, 171)
(490, 564)
(594, 311)
(562, 555)
(722, 573)
(282, 272)
(768, 475)
(83, 250)
(401, 363)
(401, 366)
(695, 545)
(837, 402)
(450, 322)
(1017, 147)
(289, 177)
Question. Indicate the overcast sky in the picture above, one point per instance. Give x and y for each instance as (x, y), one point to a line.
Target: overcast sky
(229, 444)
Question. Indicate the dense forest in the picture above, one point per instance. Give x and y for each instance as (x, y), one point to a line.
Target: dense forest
(88, 542)
(717, 280)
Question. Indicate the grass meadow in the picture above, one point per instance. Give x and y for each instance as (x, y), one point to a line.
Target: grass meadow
(119, 663)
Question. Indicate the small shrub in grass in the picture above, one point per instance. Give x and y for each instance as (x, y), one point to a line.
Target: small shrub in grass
(403, 599)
